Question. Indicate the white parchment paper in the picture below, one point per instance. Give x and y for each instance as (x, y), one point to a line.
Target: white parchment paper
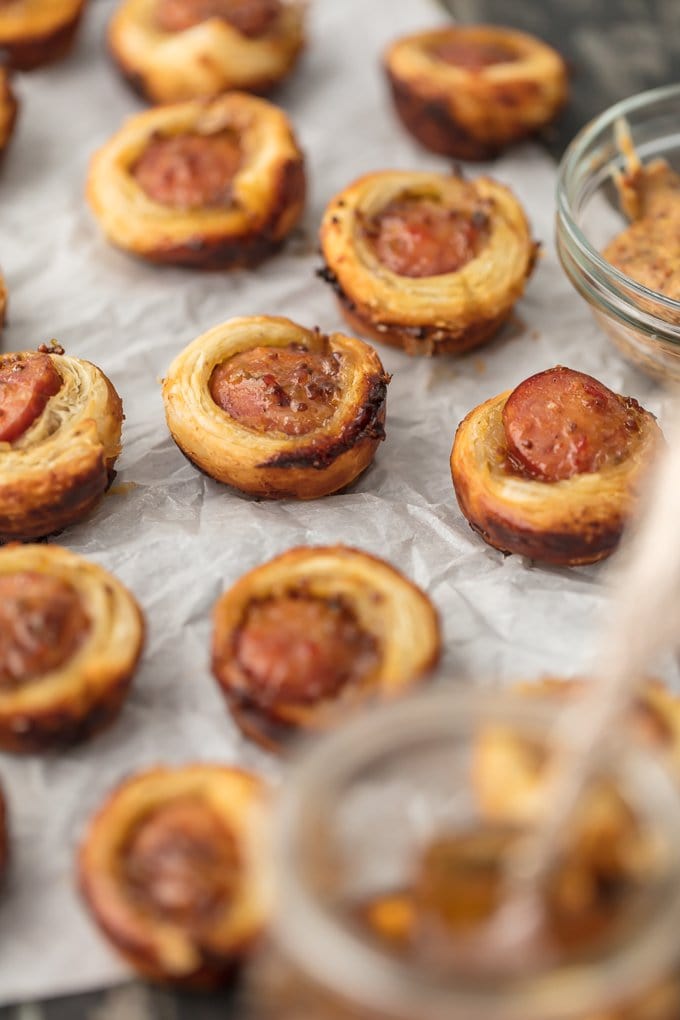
(178, 539)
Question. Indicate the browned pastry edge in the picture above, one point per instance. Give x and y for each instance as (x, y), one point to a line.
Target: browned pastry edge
(63, 724)
(426, 340)
(565, 548)
(362, 446)
(431, 122)
(75, 499)
(268, 725)
(247, 250)
(472, 116)
(38, 50)
(75, 502)
(137, 81)
(570, 529)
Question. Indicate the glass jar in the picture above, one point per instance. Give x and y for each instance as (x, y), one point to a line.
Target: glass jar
(361, 805)
(643, 324)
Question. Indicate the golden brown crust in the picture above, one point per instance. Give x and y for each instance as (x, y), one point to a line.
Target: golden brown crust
(205, 60)
(84, 694)
(393, 611)
(473, 113)
(54, 474)
(448, 313)
(271, 464)
(37, 32)
(574, 521)
(9, 109)
(268, 190)
(162, 948)
(4, 838)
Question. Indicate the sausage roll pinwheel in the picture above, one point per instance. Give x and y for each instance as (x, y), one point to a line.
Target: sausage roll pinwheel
(60, 427)
(304, 640)
(173, 50)
(425, 261)
(70, 639)
(551, 469)
(469, 91)
(275, 409)
(210, 185)
(37, 32)
(172, 869)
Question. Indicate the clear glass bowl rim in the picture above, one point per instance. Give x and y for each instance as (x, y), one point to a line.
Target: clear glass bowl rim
(566, 172)
(337, 958)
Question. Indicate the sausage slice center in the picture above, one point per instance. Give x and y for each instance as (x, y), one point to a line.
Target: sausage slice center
(562, 423)
(182, 863)
(303, 649)
(418, 237)
(287, 389)
(42, 625)
(472, 54)
(26, 384)
(189, 171)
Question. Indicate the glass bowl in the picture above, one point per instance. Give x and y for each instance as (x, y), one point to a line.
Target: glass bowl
(356, 809)
(643, 324)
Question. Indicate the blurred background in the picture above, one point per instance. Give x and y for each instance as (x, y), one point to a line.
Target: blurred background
(614, 48)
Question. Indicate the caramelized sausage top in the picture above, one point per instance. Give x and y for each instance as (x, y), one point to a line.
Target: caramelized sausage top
(302, 649)
(42, 625)
(562, 423)
(26, 384)
(189, 171)
(249, 17)
(285, 389)
(472, 54)
(182, 863)
(417, 237)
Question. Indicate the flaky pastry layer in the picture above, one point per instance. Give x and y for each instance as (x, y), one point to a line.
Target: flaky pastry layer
(474, 113)
(36, 32)
(269, 463)
(57, 471)
(397, 614)
(268, 190)
(159, 948)
(451, 312)
(86, 693)
(573, 521)
(204, 60)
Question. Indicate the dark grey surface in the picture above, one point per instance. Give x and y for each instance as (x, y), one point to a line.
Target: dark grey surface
(615, 48)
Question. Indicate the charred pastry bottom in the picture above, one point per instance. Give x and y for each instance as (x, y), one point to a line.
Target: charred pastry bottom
(64, 724)
(575, 541)
(566, 548)
(138, 82)
(416, 340)
(244, 251)
(65, 506)
(569, 522)
(238, 251)
(431, 122)
(35, 51)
